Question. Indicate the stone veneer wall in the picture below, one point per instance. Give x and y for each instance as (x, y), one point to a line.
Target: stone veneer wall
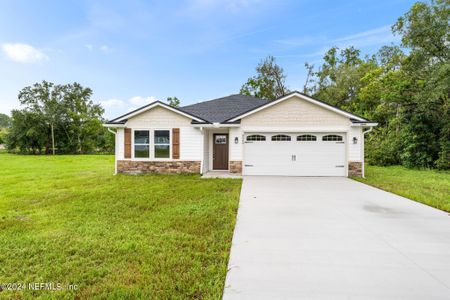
(235, 166)
(354, 168)
(163, 167)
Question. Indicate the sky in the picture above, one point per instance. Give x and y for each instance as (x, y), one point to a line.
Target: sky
(133, 52)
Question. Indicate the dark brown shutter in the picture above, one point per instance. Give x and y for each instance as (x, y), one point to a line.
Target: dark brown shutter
(175, 143)
(127, 142)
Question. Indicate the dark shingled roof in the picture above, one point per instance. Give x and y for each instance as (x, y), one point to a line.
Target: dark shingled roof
(222, 109)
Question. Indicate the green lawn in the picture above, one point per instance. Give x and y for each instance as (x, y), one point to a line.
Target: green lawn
(68, 220)
(426, 186)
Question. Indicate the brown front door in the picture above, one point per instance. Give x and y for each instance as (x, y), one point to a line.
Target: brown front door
(220, 151)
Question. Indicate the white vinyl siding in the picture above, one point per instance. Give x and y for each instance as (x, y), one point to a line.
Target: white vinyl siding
(235, 149)
(205, 151)
(120, 143)
(354, 150)
(191, 140)
(160, 118)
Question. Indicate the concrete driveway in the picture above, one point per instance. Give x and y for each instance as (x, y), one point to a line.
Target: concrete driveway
(335, 238)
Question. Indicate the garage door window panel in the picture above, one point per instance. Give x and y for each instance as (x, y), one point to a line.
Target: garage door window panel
(256, 138)
(281, 138)
(332, 138)
(307, 138)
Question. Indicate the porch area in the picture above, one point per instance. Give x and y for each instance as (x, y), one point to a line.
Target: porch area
(222, 148)
(221, 174)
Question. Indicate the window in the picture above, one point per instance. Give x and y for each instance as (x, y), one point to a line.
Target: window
(331, 138)
(220, 139)
(306, 137)
(142, 143)
(255, 137)
(162, 144)
(281, 137)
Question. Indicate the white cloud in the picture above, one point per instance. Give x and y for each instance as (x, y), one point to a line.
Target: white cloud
(301, 41)
(230, 5)
(102, 48)
(139, 100)
(110, 103)
(105, 49)
(23, 53)
(372, 37)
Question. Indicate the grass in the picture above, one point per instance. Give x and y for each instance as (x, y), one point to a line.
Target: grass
(68, 220)
(426, 186)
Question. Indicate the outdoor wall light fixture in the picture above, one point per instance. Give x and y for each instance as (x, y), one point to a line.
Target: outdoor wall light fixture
(355, 140)
(236, 140)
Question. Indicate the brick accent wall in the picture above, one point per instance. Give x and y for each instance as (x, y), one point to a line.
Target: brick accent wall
(162, 167)
(235, 166)
(354, 168)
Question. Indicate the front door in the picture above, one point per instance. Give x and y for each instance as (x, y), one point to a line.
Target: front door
(220, 151)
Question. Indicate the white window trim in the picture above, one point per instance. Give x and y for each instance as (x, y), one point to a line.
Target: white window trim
(152, 145)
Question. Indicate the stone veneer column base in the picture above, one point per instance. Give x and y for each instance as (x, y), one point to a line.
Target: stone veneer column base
(162, 167)
(355, 168)
(235, 166)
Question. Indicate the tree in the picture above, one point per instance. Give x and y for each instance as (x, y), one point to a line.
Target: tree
(62, 116)
(29, 133)
(426, 29)
(407, 93)
(43, 99)
(268, 83)
(173, 101)
(82, 118)
(5, 121)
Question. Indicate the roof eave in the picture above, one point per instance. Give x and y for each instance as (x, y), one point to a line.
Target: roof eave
(153, 104)
(113, 125)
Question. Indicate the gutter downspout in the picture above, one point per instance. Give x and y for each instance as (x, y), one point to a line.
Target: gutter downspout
(364, 146)
(115, 156)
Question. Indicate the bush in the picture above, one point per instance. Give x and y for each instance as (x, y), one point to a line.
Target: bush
(383, 147)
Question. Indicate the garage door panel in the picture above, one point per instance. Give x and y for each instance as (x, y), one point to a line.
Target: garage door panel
(295, 158)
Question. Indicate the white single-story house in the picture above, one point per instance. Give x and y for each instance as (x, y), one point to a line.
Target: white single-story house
(294, 135)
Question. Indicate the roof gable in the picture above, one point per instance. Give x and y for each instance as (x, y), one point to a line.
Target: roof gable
(303, 97)
(122, 119)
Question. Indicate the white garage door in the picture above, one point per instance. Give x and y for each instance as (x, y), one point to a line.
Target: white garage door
(294, 154)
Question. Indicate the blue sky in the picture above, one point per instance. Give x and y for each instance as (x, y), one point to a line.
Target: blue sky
(131, 52)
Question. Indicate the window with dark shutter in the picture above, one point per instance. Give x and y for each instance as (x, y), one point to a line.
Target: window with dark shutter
(127, 140)
(175, 143)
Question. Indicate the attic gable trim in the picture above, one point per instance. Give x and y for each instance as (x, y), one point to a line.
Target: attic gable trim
(304, 97)
(155, 104)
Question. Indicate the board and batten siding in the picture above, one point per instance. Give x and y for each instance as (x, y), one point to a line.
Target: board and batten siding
(191, 139)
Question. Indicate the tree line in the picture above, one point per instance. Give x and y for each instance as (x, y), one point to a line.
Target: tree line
(58, 119)
(405, 88)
